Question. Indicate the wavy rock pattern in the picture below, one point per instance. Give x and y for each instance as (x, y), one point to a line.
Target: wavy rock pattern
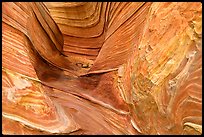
(101, 68)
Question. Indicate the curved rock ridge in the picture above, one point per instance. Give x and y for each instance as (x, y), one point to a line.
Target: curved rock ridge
(90, 68)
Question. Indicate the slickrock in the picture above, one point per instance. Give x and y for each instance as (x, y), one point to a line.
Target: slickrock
(101, 68)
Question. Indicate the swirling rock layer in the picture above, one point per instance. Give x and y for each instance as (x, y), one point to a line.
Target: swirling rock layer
(101, 68)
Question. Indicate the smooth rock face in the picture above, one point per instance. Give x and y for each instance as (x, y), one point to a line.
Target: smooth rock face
(101, 68)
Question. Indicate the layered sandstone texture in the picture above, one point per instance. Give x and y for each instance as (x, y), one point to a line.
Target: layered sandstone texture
(101, 68)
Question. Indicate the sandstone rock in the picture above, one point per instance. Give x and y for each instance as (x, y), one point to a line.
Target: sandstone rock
(101, 68)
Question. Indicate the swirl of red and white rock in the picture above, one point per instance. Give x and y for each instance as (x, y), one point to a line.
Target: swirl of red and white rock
(101, 68)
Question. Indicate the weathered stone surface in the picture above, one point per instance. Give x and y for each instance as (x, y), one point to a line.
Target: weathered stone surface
(101, 68)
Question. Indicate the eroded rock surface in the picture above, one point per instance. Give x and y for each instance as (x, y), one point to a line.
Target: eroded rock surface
(101, 68)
